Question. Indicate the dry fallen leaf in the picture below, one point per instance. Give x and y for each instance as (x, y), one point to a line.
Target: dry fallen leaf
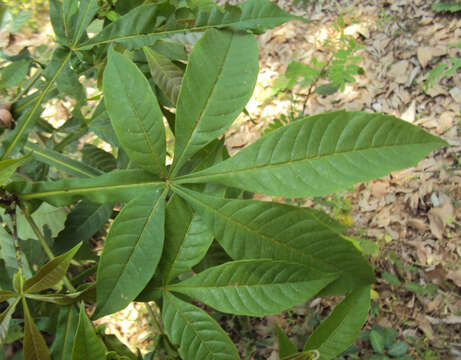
(410, 114)
(400, 71)
(418, 224)
(438, 217)
(455, 276)
(425, 54)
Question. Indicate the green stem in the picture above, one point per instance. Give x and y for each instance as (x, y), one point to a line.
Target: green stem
(17, 249)
(84, 274)
(44, 244)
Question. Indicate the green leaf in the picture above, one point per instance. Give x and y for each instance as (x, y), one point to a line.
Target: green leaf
(14, 74)
(86, 11)
(34, 345)
(98, 158)
(249, 229)
(57, 21)
(143, 25)
(87, 345)
(121, 185)
(61, 299)
(398, 349)
(15, 137)
(85, 219)
(339, 330)
(188, 239)
(8, 167)
(322, 154)
(135, 114)
(7, 294)
(254, 287)
(377, 341)
(214, 90)
(199, 337)
(61, 162)
(131, 252)
(326, 89)
(50, 273)
(305, 355)
(66, 326)
(8, 252)
(46, 215)
(5, 318)
(391, 278)
(286, 347)
(166, 75)
(253, 15)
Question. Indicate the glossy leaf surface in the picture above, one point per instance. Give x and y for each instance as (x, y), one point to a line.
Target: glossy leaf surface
(217, 84)
(50, 273)
(249, 229)
(121, 185)
(87, 345)
(199, 337)
(166, 75)
(34, 347)
(339, 330)
(131, 252)
(322, 154)
(134, 113)
(254, 287)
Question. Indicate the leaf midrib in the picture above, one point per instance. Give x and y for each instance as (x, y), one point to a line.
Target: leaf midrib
(86, 190)
(171, 32)
(188, 177)
(134, 248)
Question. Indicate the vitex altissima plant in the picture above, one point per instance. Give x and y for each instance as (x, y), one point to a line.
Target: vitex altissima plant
(186, 231)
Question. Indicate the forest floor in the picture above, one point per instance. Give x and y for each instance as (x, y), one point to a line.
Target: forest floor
(410, 220)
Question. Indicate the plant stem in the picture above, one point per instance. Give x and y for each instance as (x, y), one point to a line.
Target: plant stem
(17, 249)
(44, 244)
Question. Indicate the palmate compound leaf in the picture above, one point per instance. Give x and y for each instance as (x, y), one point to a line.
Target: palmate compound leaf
(134, 113)
(254, 287)
(199, 336)
(322, 154)
(217, 84)
(131, 252)
(250, 229)
(336, 333)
